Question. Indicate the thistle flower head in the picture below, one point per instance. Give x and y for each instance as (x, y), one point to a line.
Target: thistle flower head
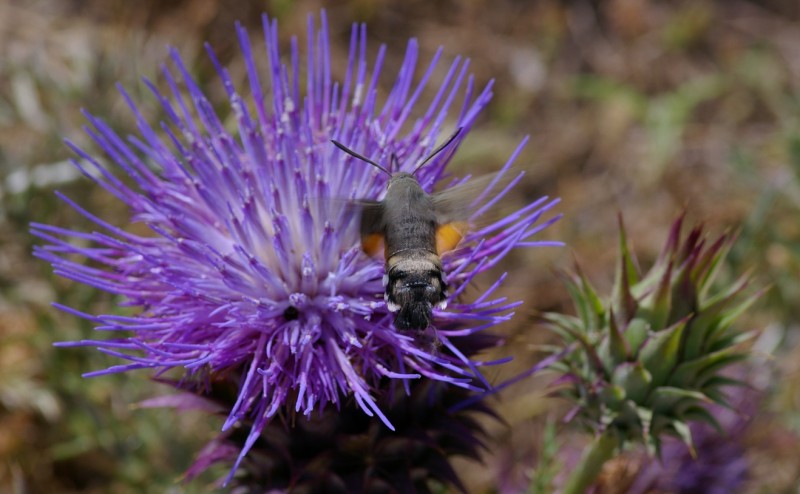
(344, 450)
(647, 361)
(253, 270)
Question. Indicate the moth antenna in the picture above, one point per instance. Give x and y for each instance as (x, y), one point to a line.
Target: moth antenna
(438, 150)
(361, 157)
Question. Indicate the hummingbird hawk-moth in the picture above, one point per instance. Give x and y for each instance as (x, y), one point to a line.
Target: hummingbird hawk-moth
(415, 228)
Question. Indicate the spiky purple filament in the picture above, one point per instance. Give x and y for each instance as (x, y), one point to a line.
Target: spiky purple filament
(253, 268)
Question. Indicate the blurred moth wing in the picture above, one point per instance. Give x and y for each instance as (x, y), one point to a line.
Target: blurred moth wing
(372, 226)
(464, 207)
(373, 239)
(454, 211)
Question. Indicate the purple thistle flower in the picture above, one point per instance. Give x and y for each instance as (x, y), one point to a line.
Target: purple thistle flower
(253, 269)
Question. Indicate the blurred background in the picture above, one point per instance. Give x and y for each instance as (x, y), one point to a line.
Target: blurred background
(636, 106)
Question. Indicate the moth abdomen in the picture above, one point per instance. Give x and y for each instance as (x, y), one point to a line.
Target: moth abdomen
(414, 286)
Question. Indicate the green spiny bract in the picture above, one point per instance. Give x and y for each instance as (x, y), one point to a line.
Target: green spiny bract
(646, 362)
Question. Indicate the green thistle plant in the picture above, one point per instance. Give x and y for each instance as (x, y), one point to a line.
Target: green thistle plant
(647, 362)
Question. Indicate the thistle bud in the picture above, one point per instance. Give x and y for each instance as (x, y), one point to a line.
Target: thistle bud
(646, 362)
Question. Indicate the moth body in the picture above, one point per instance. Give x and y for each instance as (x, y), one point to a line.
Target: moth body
(415, 228)
(414, 281)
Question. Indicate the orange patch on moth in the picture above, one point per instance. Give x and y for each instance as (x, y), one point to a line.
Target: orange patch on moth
(448, 236)
(372, 243)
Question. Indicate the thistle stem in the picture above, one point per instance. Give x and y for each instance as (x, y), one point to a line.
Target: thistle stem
(591, 463)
